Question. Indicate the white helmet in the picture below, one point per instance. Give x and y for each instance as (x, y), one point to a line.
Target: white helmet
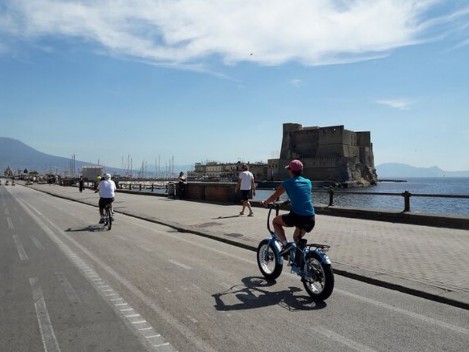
(107, 176)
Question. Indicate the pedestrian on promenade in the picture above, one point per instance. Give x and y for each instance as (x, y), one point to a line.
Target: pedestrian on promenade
(181, 185)
(301, 216)
(246, 186)
(81, 184)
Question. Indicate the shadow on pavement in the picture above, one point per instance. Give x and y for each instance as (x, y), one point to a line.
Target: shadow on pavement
(251, 295)
(89, 228)
(228, 217)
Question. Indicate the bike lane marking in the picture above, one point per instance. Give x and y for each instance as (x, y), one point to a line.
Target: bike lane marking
(46, 329)
(149, 335)
(10, 223)
(19, 247)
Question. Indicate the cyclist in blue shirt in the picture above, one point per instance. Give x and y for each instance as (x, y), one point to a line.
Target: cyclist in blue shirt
(301, 215)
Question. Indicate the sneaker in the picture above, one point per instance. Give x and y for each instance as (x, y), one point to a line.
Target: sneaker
(285, 249)
(241, 213)
(251, 214)
(101, 221)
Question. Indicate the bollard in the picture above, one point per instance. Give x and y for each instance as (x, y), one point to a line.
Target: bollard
(406, 196)
(331, 197)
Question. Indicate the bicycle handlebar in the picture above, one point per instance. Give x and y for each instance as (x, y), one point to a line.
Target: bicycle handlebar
(275, 205)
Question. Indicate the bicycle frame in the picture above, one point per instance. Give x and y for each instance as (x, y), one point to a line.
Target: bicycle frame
(320, 249)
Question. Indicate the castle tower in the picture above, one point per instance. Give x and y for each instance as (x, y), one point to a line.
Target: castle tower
(328, 154)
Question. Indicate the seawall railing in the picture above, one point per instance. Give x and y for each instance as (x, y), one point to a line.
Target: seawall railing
(406, 196)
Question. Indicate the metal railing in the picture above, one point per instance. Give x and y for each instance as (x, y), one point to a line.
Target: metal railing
(406, 195)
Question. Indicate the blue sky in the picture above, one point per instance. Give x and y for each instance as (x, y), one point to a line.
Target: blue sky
(215, 80)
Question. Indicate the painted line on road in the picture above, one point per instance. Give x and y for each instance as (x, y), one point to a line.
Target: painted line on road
(10, 223)
(37, 243)
(46, 329)
(417, 316)
(331, 335)
(93, 278)
(20, 248)
(184, 266)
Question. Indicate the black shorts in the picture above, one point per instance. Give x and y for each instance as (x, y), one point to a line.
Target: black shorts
(303, 222)
(104, 201)
(245, 194)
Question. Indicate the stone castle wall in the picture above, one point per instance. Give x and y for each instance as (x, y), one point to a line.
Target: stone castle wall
(328, 153)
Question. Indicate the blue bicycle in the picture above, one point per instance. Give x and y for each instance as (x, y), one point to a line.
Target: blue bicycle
(309, 261)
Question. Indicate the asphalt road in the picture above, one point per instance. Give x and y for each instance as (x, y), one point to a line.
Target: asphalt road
(68, 285)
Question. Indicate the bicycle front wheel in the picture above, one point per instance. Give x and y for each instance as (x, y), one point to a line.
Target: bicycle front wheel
(268, 260)
(319, 278)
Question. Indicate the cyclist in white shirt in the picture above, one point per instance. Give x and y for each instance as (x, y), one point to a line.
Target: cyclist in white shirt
(106, 189)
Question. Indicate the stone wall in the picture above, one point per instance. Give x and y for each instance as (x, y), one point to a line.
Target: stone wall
(328, 153)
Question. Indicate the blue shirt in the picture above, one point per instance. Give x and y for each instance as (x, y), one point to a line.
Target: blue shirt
(299, 191)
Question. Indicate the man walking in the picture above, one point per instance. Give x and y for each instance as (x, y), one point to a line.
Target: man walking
(245, 185)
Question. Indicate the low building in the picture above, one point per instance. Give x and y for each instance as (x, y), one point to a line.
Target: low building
(227, 171)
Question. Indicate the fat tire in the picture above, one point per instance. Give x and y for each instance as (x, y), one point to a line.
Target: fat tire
(272, 256)
(324, 273)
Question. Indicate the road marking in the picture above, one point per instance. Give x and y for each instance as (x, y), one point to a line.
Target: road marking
(10, 223)
(68, 288)
(179, 264)
(145, 329)
(49, 340)
(139, 322)
(408, 313)
(341, 339)
(20, 248)
(92, 276)
(37, 243)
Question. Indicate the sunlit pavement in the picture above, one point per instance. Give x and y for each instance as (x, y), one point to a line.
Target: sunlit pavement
(426, 261)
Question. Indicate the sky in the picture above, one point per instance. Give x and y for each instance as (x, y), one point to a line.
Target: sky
(185, 81)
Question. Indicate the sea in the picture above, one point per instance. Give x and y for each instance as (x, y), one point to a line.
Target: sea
(372, 197)
(420, 202)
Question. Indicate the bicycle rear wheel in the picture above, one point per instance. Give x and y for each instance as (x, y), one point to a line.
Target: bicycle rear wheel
(319, 280)
(109, 218)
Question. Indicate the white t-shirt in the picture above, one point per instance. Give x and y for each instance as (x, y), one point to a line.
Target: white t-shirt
(246, 178)
(107, 189)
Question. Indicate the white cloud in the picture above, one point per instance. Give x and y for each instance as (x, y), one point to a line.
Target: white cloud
(401, 104)
(296, 83)
(187, 33)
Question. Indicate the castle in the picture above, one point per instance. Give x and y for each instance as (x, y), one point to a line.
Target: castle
(328, 153)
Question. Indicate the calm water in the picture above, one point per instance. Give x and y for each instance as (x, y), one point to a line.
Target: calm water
(440, 185)
(428, 185)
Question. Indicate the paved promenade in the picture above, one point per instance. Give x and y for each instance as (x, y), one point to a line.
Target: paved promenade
(426, 261)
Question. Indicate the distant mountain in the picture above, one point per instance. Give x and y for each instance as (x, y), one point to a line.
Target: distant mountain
(19, 156)
(397, 170)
